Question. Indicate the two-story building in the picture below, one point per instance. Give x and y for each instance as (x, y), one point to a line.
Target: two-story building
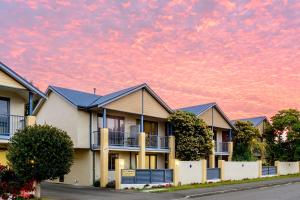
(220, 124)
(129, 124)
(17, 97)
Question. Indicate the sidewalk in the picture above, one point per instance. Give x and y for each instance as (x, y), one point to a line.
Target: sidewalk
(180, 194)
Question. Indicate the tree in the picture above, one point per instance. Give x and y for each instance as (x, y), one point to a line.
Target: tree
(193, 138)
(286, 124)
(246, 140)
(40, 152)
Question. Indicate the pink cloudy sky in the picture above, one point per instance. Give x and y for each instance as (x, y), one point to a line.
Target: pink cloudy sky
(243, 54)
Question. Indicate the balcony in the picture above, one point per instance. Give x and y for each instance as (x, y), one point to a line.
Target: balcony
(116, 140)
(9, 125)
(157, 142)
(221, 148)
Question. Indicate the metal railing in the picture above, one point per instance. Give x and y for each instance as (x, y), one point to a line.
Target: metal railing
(10, 124)
(221, 147)
(95, 139)
(120, 138)
(157, 142)
(147, 176)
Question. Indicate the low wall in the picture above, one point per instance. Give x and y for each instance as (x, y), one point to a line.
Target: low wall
(240, 170)
(189, 172)
(285, 168)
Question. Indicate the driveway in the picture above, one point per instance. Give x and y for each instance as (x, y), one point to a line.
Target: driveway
(69, 192)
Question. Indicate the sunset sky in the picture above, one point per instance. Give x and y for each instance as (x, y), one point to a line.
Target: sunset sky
(243, 54)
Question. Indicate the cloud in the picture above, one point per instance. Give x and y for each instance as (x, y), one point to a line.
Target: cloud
(245, 56)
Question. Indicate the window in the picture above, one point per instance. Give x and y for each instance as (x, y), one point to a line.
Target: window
(4, 116)
(4, 106)
(150, 128)
(111, 161)
(115, 124)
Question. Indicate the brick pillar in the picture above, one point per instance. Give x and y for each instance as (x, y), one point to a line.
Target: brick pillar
(104, 150)
(172, 152)
(142, 153)
(120, 164)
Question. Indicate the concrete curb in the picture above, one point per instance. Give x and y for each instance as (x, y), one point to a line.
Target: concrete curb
(239, 189)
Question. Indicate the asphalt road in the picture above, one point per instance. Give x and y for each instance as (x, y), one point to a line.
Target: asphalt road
(286, 189)
(279, 192)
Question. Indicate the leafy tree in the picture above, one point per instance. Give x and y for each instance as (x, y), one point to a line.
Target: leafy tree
(245, 140)
(40, 152)
(193, 138)
(286, 124)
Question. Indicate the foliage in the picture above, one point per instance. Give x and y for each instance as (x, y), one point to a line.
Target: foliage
(12, 185)
(40, 152)
(246, 140)
(193, 138)
(286, 138)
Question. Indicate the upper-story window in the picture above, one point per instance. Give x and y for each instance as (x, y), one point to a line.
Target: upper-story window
(115, 124)
(150, 127)
(4, 106)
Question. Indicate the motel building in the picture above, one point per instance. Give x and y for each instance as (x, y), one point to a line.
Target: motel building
(130, 124)
(222, 130)
(17, 97)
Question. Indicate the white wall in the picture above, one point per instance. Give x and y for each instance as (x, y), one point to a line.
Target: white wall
(285, 168)
(190, 172)
(240, 170)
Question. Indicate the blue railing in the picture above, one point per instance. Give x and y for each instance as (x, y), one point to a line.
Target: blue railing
(213, 173)
(148, 176)
(221, 147)
(10, 124)
(269, 170)
(157, 142)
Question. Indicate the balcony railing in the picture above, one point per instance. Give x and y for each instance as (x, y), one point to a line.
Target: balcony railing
(221, 147)
(123, 139)
(10, 124)
(157, 142)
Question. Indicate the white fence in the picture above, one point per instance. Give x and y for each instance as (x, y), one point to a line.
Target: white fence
(190, 172)
(240, 170)
(285, 168)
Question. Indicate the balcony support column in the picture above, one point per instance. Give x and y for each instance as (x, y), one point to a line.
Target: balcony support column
(104, 119)
(212, 156)
(30, 120)
(142, 153)
(171, 155)
(104, 150)
(230, 151)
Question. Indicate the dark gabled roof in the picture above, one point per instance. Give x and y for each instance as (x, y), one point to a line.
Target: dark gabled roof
(77, 98)
(21, 80)
(198, 109)
(85, 100)
(254, 120)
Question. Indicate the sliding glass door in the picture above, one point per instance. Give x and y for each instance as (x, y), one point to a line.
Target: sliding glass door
(4, 116)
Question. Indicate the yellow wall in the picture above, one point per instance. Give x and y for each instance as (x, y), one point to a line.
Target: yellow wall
(3, 160)
(7, 81)
(81, 171)
(218, 120)
(17, 103)
(59, 113)
(153, 108)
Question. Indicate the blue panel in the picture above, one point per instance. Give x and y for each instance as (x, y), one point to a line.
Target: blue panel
(169, 176)
(157, 176)
(213, 173)
(143, 177)
(269, 170)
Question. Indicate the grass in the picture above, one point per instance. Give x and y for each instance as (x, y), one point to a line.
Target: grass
(222, 183)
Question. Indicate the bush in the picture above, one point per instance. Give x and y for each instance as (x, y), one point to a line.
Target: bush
(111, 184)
(12, 185)
(96, 183)
(40, 152)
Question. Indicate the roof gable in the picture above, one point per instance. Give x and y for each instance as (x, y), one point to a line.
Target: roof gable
(21, 80)
(202, 108)
(254, 120)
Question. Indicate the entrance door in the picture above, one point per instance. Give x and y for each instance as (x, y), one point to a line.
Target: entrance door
(4, 116)
(151, 162)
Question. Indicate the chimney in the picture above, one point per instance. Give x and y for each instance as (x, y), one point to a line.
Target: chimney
(95, 90)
